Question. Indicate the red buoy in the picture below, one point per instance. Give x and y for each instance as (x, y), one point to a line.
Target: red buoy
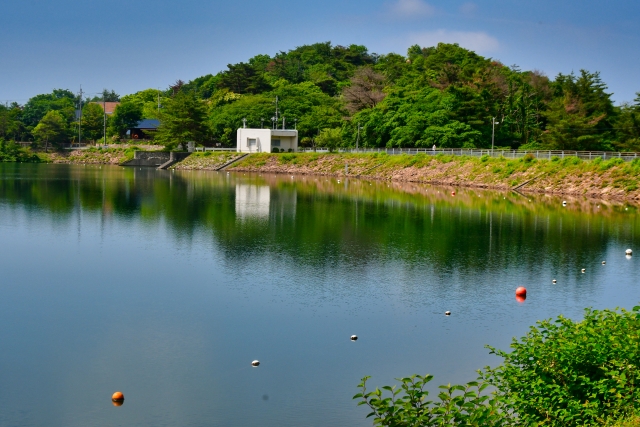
(521, 291)
(453, 193)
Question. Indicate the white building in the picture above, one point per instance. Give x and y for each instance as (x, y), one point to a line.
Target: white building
(265, 140)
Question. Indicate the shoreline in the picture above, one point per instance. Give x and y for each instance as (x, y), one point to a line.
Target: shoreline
(605, 180)
(612, 180)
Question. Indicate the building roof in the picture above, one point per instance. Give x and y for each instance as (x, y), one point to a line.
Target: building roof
(284, 132)
(150, 124)
(109, 107)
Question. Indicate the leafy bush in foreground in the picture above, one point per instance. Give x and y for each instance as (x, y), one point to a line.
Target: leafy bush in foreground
(456, 405)
(573, 373)
(562, 373)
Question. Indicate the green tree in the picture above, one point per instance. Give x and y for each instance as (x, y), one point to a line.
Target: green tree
(61, 100)
(92, 122)
(183, 119)
(330, 138)
(126, 116)
(243, 78)
(52, 130)
(9, 123)
(149, 101)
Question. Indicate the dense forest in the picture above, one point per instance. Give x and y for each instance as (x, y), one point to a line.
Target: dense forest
(445, 95)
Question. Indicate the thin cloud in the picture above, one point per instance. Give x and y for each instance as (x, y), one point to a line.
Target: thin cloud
(468, 8)
(412, 9)
(479, 42)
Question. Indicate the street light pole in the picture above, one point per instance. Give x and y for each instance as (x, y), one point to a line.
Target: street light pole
(104, 110)
(493, 132)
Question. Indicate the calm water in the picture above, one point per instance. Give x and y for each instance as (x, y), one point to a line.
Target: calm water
(166, 285)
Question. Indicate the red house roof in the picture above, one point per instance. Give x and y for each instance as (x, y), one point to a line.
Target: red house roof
(109, 107)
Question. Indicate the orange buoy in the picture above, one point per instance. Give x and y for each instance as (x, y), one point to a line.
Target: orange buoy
(521, 298)
(117, 396)
(521, 291)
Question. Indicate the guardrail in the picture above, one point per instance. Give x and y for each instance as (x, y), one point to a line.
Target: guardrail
(214, 149)
(510, 154)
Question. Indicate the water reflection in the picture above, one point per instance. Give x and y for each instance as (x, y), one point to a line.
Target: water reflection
(252, 201)
(151, 268)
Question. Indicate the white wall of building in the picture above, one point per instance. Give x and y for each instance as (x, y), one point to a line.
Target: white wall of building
(254, 140)
(264, 140)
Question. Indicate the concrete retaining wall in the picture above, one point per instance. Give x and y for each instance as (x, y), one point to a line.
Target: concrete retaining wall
(154, 159)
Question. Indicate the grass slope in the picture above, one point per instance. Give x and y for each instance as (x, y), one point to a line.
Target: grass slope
(611, 179)
(206, 161)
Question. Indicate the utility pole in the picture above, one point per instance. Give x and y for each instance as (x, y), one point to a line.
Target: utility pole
(276, 111)
(104, 109)
(158, 101)
(493, 132)
(358, 137)
(80, 119)
(283, 121)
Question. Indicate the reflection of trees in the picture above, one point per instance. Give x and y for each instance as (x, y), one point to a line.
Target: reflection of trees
(315, 220)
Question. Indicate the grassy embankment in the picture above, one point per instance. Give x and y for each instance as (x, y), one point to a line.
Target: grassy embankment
(605, 179)
(207, 160)
(95, 155)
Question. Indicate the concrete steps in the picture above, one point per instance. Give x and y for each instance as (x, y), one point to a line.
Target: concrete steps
(229, 163)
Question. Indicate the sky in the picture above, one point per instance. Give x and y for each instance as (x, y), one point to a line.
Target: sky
(131, 45)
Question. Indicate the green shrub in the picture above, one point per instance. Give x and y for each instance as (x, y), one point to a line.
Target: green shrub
(571, 160)
(528, 158)
(12, 152)
(566, 373)
(484, 158)
(561, 374)
(275, 150)
(288, 157)
(455, 405)
(608, 164)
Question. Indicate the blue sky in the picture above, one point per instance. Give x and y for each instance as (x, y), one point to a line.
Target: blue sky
(129, 45)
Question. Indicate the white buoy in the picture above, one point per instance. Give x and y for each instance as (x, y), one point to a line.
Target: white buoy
(354, 337)
(255, 363)
(604, 262)
(447, 313)
(628, 252)
(583, 270)
(564, 203)
(554, 281)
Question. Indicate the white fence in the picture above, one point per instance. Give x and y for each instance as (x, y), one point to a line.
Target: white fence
(214, 149)
(510, 154)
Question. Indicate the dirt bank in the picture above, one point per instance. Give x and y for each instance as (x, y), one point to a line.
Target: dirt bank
(611, 179)
(93, 155)
(206, 161)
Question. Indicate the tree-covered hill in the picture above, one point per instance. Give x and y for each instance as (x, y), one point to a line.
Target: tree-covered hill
(444, 95)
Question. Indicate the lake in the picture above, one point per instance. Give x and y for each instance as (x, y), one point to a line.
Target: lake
(167, 285)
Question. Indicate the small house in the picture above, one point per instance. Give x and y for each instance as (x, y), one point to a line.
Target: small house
(109, 107)
(144, 129)
(267, 140)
